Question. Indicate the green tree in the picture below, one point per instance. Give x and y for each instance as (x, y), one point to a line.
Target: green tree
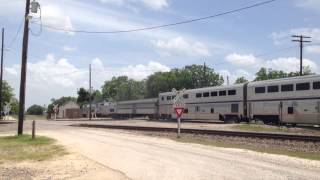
(265, 74)
(61, 101)
(189, 77)
(7, 93)
(83, 97)
(122, 88)
(35, 110)
(241, 80)
(14, 106)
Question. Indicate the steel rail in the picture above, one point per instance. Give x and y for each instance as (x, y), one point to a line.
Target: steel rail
(275, 136)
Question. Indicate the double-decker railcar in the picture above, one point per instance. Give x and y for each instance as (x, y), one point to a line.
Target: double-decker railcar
(294, 100)
(137, 108)
(211, 103)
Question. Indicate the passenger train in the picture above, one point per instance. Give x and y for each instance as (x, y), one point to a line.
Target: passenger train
(294, 100)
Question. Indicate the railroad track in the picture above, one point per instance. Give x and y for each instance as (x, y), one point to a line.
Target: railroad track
(209, 132)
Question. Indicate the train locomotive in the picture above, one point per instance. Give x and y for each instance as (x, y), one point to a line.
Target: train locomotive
(294, 100)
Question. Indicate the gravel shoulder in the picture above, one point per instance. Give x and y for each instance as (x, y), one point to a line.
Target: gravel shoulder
(145, 157)
(73, 166)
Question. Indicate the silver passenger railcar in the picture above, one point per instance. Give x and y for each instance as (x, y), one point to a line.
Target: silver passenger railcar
(137, 108)
(293, 100)
(211, 103)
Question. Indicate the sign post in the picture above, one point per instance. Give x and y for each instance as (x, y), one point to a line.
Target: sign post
(178, 106)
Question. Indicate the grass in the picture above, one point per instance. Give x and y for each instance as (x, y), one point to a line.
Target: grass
(260, 128)
(276, 129)
(20, 148)
(271, 150)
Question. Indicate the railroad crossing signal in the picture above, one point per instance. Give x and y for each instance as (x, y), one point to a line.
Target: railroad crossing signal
(178, 106)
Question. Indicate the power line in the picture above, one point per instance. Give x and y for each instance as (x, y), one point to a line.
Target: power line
(164, 25)
(16, 35)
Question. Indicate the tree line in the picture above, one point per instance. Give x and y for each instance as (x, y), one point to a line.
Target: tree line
(124, 88)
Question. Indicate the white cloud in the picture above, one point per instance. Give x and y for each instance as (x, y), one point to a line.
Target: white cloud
(284, 37)
(242, 60)
(287, 64)
(309, 4)
(53, 78)
(180, 46)
(234, 75)
(153, 4)
(313, 49)
(156, 4)
(54, 16)
(290, 64)
(69, 48)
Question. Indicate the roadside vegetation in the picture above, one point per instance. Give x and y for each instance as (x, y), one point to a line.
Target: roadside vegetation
(20, 148)
(277, 129)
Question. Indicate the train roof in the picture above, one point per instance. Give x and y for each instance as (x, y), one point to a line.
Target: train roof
(224, 87)
(289, 79)
(297, 78)
(150, 100)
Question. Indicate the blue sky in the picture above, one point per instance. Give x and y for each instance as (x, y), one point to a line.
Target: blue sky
(231, 44)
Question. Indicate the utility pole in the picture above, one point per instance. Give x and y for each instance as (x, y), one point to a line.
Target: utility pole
(90, 98)
(301, 41)
(204, 75)
(1, 74)
(228, 80)
(23, 69)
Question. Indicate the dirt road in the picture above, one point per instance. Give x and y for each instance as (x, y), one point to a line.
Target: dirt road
(143, 157)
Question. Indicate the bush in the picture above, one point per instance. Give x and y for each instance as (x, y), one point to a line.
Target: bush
(35, 110)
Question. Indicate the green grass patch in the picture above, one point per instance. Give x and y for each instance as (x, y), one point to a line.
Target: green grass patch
(261, 128)
(270, 150)
(276, 129)
(19, 148)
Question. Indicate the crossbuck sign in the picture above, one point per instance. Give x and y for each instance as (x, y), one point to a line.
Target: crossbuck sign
(178, 106)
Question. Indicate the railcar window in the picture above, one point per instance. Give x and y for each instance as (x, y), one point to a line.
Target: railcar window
(287, 87)
(222, 93)
(186, 96)
(198, 95)
(214, 93)
(316, 85)
(302, 86)
(168, 97)
(111, 110)
(232, 92)
(162, 98)
(260, 90)
(173, 97)
(212, 110)
(290, 110)
(206, 94)
(272, 89)
(186, 111)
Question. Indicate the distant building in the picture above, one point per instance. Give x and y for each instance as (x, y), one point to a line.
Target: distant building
(70, 110)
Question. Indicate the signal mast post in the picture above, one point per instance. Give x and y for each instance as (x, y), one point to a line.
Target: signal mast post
(178, 106)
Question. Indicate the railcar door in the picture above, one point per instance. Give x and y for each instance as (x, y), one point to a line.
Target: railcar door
(288, 112)
(318, 108)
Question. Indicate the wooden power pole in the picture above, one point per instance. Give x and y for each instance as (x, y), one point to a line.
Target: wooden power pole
(23, 68)
(1, 74)
(90, 98)
(301, 41)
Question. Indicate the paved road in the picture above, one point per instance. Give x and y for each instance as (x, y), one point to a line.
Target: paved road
(143, 157)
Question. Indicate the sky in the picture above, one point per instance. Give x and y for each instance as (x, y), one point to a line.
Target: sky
(235, 45)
